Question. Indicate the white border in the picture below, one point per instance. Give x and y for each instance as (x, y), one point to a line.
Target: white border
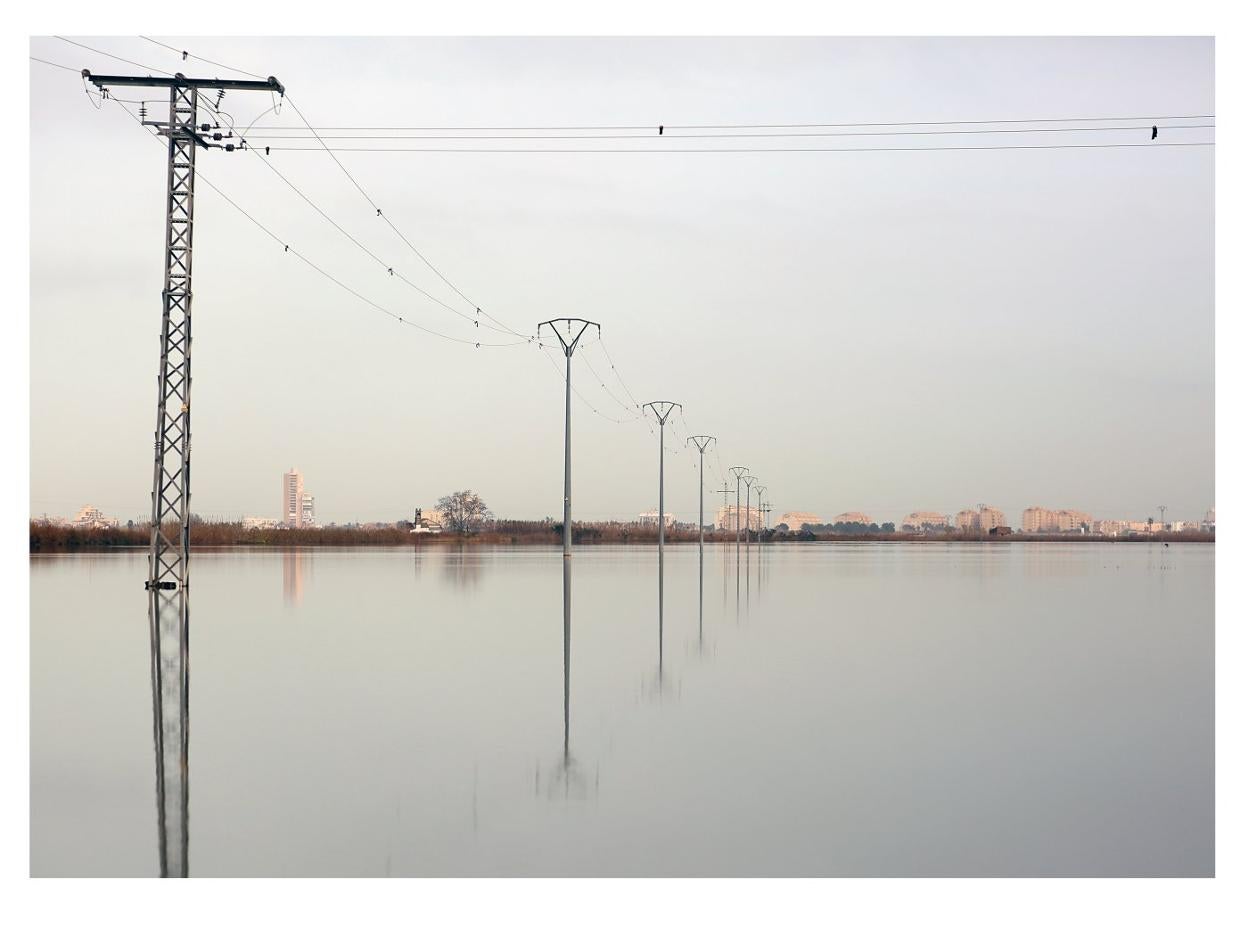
(616, 906)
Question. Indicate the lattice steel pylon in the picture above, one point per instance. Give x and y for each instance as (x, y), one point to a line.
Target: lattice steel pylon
(171, 472)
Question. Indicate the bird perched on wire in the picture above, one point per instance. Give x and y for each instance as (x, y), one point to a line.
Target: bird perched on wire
(1154, 136)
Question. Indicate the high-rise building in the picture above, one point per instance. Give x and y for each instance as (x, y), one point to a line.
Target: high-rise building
(728, 518)
(292, 498)
(922, 520)
(1043, 520)
(307, 510)
(981, 519)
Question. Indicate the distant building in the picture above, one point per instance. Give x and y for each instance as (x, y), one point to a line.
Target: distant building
(298, 506)
(292, 498)
(427, 521)
(651, 518)
(93, 518)
(1043, 520)
(260, 523)
(729, 518)
(980, 519)
(852, 517)
(923, 520)
(794, 520)
(1110, 527)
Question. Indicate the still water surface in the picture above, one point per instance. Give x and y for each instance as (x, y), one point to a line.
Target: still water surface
(808, 710)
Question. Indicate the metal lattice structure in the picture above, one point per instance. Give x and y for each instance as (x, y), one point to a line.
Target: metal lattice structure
(169, 624)
(171, 474)
(171, 471)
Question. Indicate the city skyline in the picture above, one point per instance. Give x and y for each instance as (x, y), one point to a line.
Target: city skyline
(1038, 382)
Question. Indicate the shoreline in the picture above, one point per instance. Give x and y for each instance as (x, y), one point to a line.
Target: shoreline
(48, 538)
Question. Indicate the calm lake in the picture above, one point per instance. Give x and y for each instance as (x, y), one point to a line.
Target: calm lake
(802, 710)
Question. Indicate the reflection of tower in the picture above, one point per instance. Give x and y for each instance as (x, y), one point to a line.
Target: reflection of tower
(294, 566)
(566, 780)
(168, 622)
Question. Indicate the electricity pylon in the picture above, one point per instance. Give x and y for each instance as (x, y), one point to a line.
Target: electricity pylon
(739, 471)
(569, 346)
(760, 490)
(701, 441)
(662, 409)
(1162, 508)
(171, 473)
(749, 481)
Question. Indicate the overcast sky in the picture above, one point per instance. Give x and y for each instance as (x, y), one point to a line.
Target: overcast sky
(882, 332)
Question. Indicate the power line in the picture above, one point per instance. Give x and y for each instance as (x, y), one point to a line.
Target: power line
(384, 265)
(776, 126)
(198, 58)
(394, 228)
(360, 188)
(112, 56)
(777, 149)
(745, 136)
(286, 248)
(76, 71)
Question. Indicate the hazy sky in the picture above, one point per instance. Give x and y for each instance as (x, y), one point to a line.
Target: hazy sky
(872, 331)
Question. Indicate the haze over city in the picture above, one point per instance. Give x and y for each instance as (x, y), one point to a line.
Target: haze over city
(875, 332)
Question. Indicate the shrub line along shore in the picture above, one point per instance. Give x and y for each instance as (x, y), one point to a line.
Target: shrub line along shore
(49, 537)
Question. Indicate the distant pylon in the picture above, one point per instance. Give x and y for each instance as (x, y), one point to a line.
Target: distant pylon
(569, 346)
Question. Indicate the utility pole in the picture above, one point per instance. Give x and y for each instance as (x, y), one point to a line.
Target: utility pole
(569, 346)
(662, 409)
(740, 472)
(1162, 508)
(171, 473)
(749, 480)
(701, 441)
(760, 490)
(725, 490)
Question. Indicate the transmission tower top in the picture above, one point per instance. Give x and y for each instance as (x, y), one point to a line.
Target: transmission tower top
(181, 81)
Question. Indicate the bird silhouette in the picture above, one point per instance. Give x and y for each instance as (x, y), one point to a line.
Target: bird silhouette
(1154, 136)
(660, 129)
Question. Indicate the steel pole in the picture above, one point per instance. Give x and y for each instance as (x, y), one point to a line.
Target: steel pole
(567, 459)
(701, 498)
(736, 519)
(662, 425)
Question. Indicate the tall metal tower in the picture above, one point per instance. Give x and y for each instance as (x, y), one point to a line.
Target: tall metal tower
(171, 473)
(662, 409)
(569, 347)
(740, 472)
(749, 481)
(701, 441)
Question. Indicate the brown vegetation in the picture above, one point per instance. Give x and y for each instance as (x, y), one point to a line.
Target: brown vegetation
(49, 537)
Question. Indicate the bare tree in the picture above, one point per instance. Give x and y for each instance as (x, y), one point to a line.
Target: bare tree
(463, 512)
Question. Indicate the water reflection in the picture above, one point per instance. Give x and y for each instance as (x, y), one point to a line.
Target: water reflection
(566, 779)
(462, 567)
(295, 565)
(168, 623)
